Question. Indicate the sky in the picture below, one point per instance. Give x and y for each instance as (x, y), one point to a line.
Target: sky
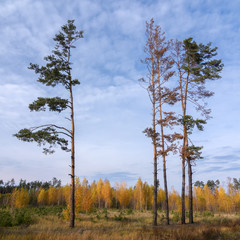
(111, 108)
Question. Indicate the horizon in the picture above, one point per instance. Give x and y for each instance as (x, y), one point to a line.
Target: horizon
(112, 109)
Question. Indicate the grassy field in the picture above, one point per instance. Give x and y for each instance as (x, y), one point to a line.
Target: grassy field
(48, 223)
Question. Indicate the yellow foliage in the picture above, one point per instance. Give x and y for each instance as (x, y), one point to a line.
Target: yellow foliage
(60, 196)
(148, 196)
(21, 198)
(83, 196)
(13, 197)
(66, 193)
(139, 195)
(42, 198)
(107, 193)
(78, 195)
(99, 191)
(66, 213)
(123, 195)
(174, 201)
(209, 198)
(200, 202)
(161, 198)
(52, 196)
(223, 200)
(94, 193)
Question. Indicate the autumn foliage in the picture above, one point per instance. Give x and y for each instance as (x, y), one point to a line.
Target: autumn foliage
(101, 194)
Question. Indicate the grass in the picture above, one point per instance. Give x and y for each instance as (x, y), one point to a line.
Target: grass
(123, 224)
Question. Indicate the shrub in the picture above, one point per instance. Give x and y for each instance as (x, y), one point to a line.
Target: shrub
(129, 211)
(5, 219)
(22, 217)
(105, 212)
(51, 210)
(176, 217)
(208, 214)
(120, 217)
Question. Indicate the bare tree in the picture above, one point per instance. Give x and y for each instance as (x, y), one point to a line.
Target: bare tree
(152, 91)
(159, 65)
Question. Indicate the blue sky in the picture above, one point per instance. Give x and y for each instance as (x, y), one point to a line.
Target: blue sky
(112, 109)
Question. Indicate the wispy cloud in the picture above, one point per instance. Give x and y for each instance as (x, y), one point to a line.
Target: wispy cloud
(111, 108)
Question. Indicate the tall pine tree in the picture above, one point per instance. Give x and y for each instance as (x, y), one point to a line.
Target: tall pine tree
(57, 71)
(195, 64)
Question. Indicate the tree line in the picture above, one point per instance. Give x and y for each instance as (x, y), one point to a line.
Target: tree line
(9, 186)
(209, 196)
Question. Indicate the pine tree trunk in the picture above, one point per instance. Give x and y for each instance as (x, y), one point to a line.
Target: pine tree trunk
(166, 190)
(185, 142)
(183, 177)
(183, 191)
(155, 193)
(72, 199)
(190, 195)
(163, 147)
(155, 159)
(154, 149)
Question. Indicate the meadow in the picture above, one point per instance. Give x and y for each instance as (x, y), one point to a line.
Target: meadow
(114, 224)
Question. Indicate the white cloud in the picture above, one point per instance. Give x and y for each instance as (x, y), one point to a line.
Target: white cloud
(111, 108)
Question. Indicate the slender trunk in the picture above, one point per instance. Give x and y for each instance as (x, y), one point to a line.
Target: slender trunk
(190, 191)
(183, 147)
(166, 190)
(72, 200)
(190, 194)
(155, 192)
(183, 191)
(183, 164)
(163, 152)
(185, 140)
(155, 154)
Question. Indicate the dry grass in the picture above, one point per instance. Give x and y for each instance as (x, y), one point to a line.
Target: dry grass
(122, 226)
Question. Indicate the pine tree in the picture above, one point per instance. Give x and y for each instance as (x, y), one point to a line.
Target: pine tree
(151, 132)
(57, 71)
(159, 64)
(195, 64)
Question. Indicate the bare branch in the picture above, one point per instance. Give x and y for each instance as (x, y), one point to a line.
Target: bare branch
(50, 125)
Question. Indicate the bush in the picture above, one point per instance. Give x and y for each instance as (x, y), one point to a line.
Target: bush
(208, 214)
(176, 217)
(129, 211)
(22, 217)
(105, 212)
(50, 210)
(162, 218)
(5, 219)
(120, 217)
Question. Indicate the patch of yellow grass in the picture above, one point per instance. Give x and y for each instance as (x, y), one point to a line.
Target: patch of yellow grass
(137, 225)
